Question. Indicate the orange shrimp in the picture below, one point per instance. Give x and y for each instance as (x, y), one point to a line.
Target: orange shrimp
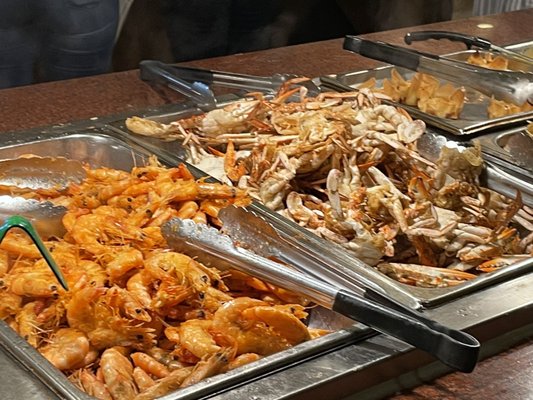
(259, 328)
(19, 244)
(149, 365)
(213, 365)
(243, 359)
(195, 337)
(4, 262)
(165, 385)
(142, 379)
(139, 288)
(187, 209)
(68, 348)
(10, 304)
(35, 280)
(122, 261)
(94, 387)
(27, 324)
(118, 374)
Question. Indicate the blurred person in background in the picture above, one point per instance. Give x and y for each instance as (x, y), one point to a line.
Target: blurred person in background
(485, 7)
(208, 28)
(46, 40)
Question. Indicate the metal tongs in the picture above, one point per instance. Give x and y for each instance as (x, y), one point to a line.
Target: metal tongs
(456, 349)
(18, 221)
(194, 83)
(469, 41)
(512, 86)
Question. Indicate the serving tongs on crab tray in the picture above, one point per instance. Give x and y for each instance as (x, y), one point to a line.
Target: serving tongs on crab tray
(195, 83)
(513, 86)
(471, 42)
(454, 348)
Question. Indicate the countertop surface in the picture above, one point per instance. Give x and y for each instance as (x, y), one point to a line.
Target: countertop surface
(504, 376)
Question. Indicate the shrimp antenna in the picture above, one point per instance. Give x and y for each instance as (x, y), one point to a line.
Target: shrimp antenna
(17, 221)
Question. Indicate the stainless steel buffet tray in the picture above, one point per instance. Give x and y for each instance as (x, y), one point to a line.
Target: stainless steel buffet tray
(473, 118)
(107, 148)
(336, 258)
(345, 363)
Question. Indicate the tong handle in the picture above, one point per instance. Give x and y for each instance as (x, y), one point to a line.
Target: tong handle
(158, 72)
(230, 79)
(513, 86)
(454, 348)
(382, 51)
(468, 40)
(17, 221)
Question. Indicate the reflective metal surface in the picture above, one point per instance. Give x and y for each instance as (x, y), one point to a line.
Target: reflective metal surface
(474, 115)
(350, 361)
(104, 147)
(336, 258)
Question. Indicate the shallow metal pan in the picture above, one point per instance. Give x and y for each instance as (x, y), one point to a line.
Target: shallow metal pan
(104, 147)
(474, 115)
(337, 258)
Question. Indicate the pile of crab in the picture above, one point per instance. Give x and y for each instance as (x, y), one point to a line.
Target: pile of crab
(346, 167)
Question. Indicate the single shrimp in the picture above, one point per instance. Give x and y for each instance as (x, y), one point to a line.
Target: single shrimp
(165, 357)
(142, 379)
(138, 287)
(35, 280)
(165, 264)
(180, 268)
(228, 320)
(50, 317)
(90, 230)
(243, 359)
(200, 217)
(201, 277)
(27, 323)
(169, 294)
(213, 299)
(117, 188)
(165, 385)
(81, 308)
(187, 209)
(92, 386)
(118, 374)
(149, 365)
(194, 336)
(10, 304)
(283, 319)
(19, 244)
(66, 349)
(257, 327)
(95, 273)
(184, 190)
(213, 365)
(122, 261)
(120, 299)
(4, 262)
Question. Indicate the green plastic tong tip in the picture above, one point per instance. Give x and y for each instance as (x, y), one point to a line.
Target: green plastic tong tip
(17, 221)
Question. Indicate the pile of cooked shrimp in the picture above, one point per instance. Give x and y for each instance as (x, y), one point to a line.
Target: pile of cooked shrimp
(140, 320)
